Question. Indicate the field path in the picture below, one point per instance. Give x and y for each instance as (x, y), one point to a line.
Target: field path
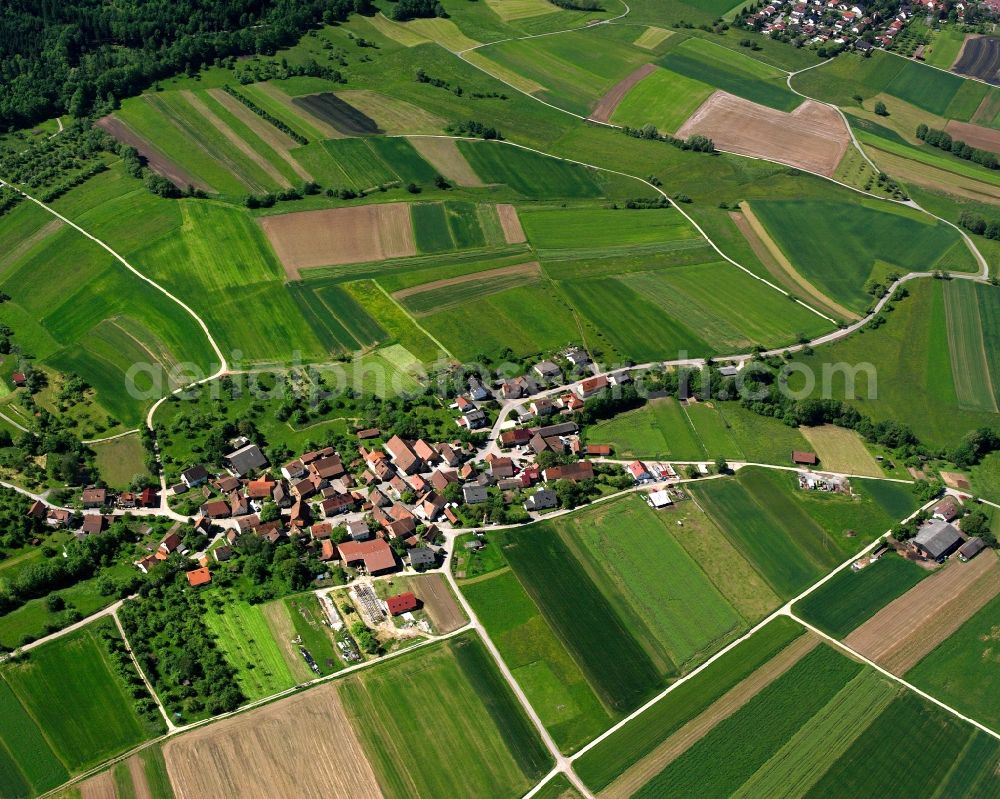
(26, 244)
(724, 707)
(609, 102)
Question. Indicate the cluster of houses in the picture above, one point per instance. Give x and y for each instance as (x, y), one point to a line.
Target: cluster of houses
(938, 538)
(94, 498)
(823, 22)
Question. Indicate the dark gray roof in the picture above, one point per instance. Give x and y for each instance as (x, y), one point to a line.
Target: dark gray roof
(938, 538)
(473, 493)
(543, 498)
(247, 459)
(971, 548)
(421, 556)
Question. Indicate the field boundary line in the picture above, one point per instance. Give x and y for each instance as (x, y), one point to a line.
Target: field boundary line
(138, 667)
(409, 316)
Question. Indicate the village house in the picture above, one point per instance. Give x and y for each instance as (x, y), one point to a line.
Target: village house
(640, 473)
(578, 357)
(517, 437)
(403, 456)
(421, 558)
(591, 386)
(583, 470)
(367, 433)
(294, 470)
(474, 493)
(194, 476)
(94, 497)
(198, 577)
(358, 530)
(217, 509)
(800, 458)
(501, 467)
(947, 510)
(659, 499)
(93, 524)
(970, 549)
(547, 370)
(542, 499)
(542, 407)
(477, 390)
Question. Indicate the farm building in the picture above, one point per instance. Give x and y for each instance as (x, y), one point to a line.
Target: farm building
(376, 556)
(659, 499)
(936, 540)
(401, 603)
(947, 509)
(800, 458)
(246, 459)
(584, 470)
(970, 549)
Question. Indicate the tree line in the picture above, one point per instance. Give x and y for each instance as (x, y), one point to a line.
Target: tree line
(944, 141)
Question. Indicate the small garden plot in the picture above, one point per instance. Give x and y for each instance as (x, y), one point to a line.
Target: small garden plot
(852, 597)
(632, 742)
(338, 113)
(441, 295)
(540, 662)
(308, 239)
(961, 669)
(473, 740)
(243, 635)
(530, 174)
(439, 602)
(732, 72)
(664, 99)
(302, 617)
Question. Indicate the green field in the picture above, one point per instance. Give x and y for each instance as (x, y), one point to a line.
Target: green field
(566, 233)
(735, 748)
(973, 361)
(912, 381)
(961, 669)
(308, 622)
(542, 665)
(659, 429)
(473, 739)
(870, 240)
(67, 692)
(574, 69)
(791, 536)
(851, 598)
(120, 460)
(530, 174)
(616, 753)
(707, 62)
(636, 561)
(244, 637)
(663, 98)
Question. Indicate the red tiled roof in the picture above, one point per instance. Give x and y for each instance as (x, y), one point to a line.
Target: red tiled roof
(198, 577)
(401, 603)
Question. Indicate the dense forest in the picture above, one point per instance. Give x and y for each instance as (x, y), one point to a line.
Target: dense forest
(59, 56)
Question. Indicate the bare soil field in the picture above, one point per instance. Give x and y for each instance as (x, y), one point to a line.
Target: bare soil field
(975, 135)
(531, 268)
(303, 746)
(340, 236)
(433, 591)
(955, 480)
(811, 137)
(513, 233)
(443, 154)
(777, 263)
(100, 787)
(979, 58)
(155, 159)
(692, 732)
(27, 244)
(908, 628)
(277, 140)
(337, 113)
(137, 772)
(609, 102)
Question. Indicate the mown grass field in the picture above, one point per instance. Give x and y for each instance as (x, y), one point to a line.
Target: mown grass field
(632, 554)
(120, 460)
(553, 231)
(730, 71)
(663, 98)
(870, 240)
(528, 173)
(541, 663)
(664, 429)
(841, 450)
(472, 740)
(244, 637)
(67, 691)
(851, 598)
(961, 669)
(628, 745)
(971, 356)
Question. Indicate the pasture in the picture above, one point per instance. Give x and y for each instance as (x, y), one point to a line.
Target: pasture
(69, 689)
(732, 72)
(637, 563)
(841, 450)
(659, 429)
(120, 459)
(960, 670)
(631, 743)
(473, 740)
(243, 636)
(870, 240)
(537, 656)
(851, 598)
